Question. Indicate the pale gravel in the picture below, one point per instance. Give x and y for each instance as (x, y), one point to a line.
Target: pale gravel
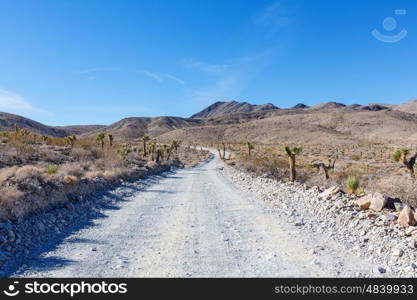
(206, 221)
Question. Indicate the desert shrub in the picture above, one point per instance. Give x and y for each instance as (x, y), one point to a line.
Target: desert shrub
(10, 197)
(352, 185)
(51, 169)
(74, 169)
(27, 172)
(93, 174)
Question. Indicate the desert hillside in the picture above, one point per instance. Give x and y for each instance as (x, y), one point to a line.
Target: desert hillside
(223, 108)
(236, 122)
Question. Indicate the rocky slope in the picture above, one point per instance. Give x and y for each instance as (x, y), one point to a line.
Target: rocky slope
(222, 108)
(9, 121)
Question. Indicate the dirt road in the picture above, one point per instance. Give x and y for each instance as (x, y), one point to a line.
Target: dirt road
(193, 223)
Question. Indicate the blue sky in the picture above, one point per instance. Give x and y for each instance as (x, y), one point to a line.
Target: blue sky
(94, 62)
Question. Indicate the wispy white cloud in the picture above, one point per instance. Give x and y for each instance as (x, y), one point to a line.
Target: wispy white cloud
(13, 102)
(155, 76)
(151, 75)
(176, 79)
(205, 67)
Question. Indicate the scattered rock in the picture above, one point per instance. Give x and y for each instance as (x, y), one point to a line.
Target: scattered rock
(406, 217)
(364, 202)
(409, 230)
(379, 270)
(329, 192)
(378, 202)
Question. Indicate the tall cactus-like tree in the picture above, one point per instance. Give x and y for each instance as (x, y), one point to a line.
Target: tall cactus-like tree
(165, 152)
(110, 138)
(44, 138)
(401, 156)
(100, 139)
(325, 167)
(159, 155)
(250, 148)
(71, 140)
(152, 150)
(124, 150)
(292, 153)
(144, 140)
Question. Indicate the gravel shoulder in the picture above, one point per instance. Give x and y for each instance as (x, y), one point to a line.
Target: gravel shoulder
(206, 221)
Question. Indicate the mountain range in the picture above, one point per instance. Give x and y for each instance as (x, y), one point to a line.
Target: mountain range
(240, 121)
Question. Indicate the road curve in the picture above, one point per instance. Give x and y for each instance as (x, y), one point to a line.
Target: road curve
(191, 223)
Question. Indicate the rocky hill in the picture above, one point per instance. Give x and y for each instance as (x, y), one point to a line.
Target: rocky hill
(8, 122)
(329, 122)
(222, 108)
(133, 128)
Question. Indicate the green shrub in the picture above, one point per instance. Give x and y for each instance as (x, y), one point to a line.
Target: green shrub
(352, 185)
(51, 169)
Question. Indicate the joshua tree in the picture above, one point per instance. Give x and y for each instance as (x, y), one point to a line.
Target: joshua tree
(44, 138)
(324, 167)
(152, 149)
(71, 140)
(110, 138)
(292, 153)
(124, 150)
(144, 140)
(165, 152)
(158, 155)
(401, 156)
(100, 138)
(222, 146)
(250, 147)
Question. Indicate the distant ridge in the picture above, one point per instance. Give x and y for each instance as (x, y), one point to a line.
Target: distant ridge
(328, 105)
(221, 108)
(300, 105)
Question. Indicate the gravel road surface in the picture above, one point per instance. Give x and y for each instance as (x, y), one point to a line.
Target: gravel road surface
(193, 223)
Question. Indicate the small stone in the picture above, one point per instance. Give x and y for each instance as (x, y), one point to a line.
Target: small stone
(364, 202)
(397, 252)
(379, 270)
(406, 217)
(378, 202)
(409, 230)
(329, 192)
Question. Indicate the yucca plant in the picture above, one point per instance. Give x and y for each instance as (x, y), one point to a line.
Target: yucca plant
(110, 139)
(400, 155)
(325, 167)
(165, 152)
(144, 140)
(175, 145)
(352, 185)
(51, 169)
(124, 150)
(71, 140)
(152, 149)
(250, 148)
(100, 139)
(292, 153)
